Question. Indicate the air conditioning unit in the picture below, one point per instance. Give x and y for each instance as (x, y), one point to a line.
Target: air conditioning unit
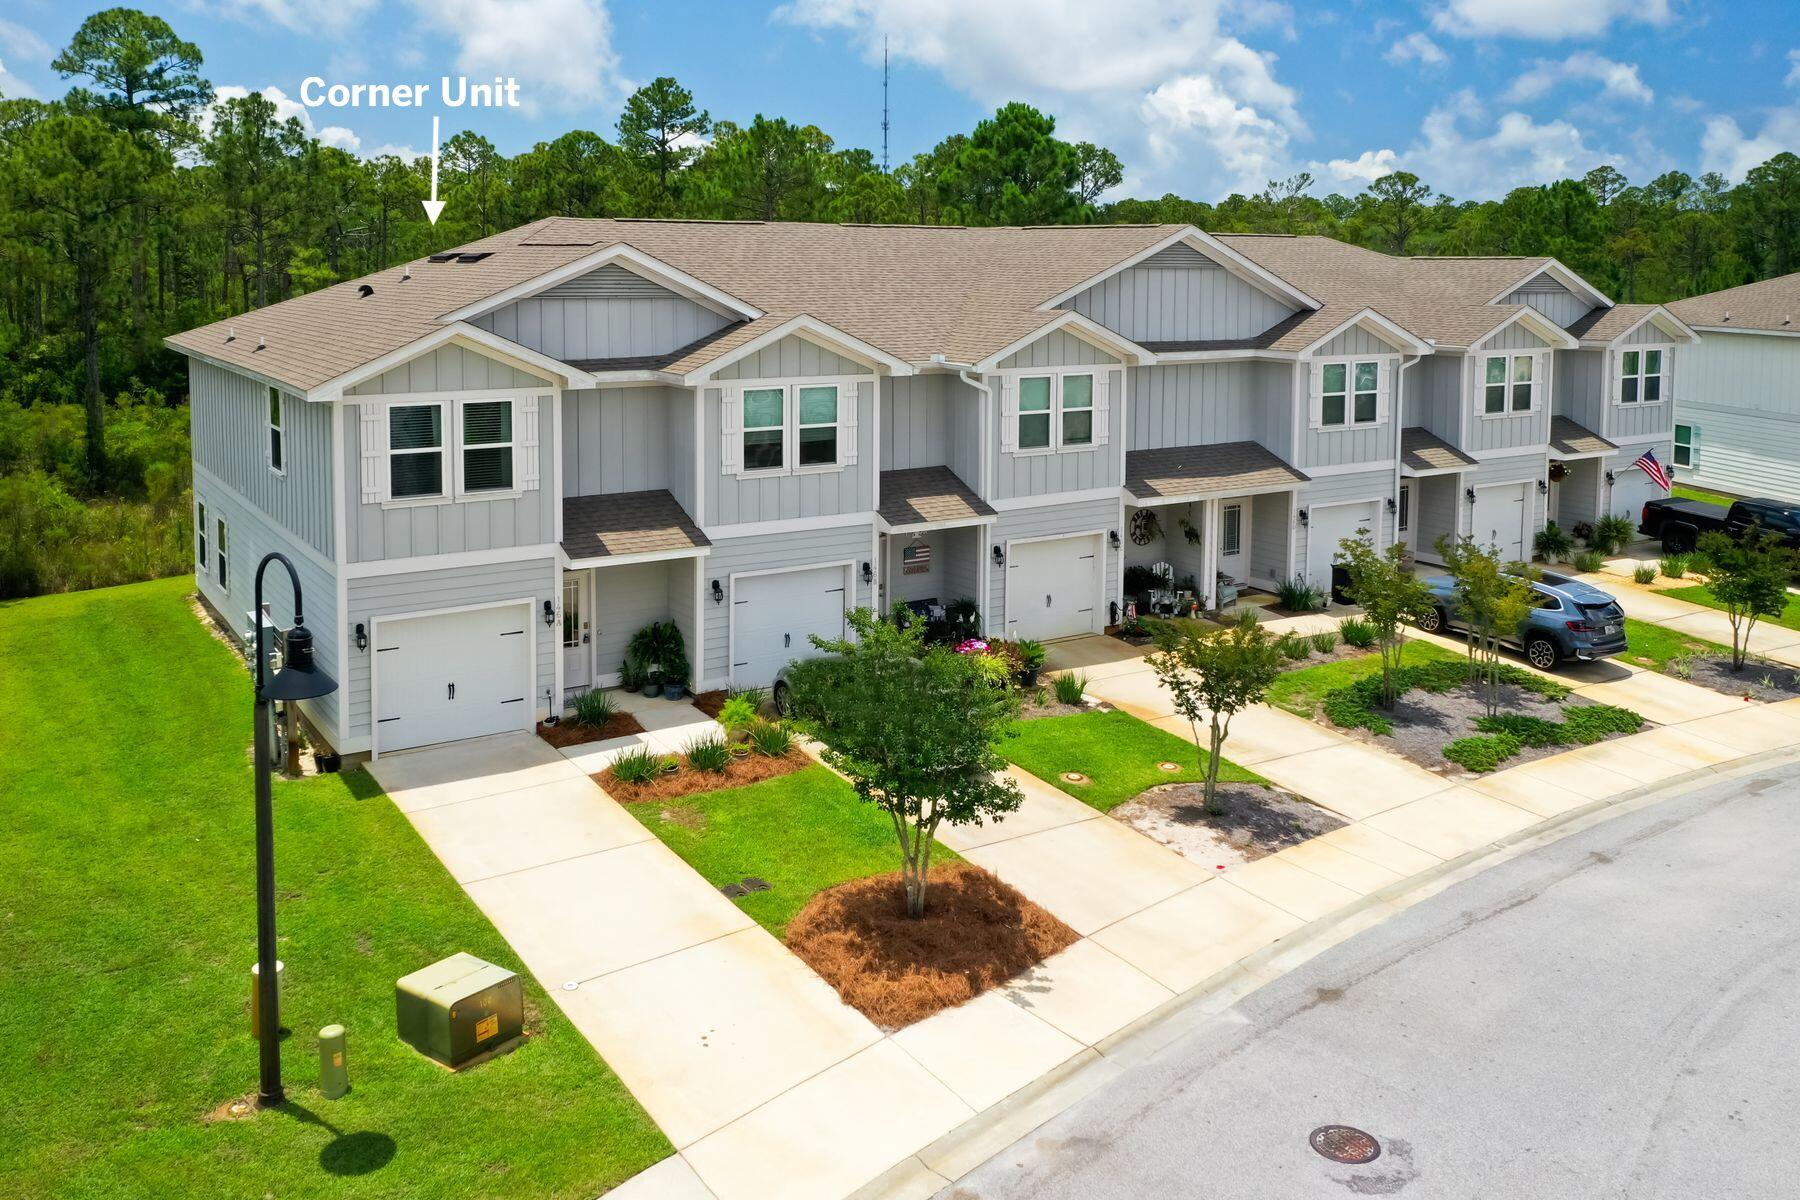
(459, 1009)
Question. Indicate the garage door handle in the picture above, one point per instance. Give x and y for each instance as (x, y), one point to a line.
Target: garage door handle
(1046, 599)
(453, 691)
(787, 640)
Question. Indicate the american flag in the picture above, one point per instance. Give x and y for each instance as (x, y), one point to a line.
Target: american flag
(1648, 464)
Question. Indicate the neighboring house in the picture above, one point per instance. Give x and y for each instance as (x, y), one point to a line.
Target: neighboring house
(1737, 420)
(493, 466)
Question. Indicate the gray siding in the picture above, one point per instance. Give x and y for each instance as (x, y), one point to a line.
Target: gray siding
(683, 408)
(1640, 422)
(1434, 395)
(682, 600)
(1057, 349)
(421, 592)
(1171, 545)
(1516, 468)
(733, 499)
(1580, 387)
(620, 439)
(228, 416)
(1510, 431)
(792, 357)
(1197, 404)
(447, 369)
(1515, 337)
(608, 313)
(1741, 392)
(1346, 488)
(954, 569)
(250, 534)
(1631, 487)
(1438, 510)
(1552, 299)
(1647, 334)
(1271, 523)
(1047, 521)
(962, 421)
(1042, 474)
(1355, 340)
(1179, 295)
(630, 596)
(799, 548)
(1342, 447)
(915, 423)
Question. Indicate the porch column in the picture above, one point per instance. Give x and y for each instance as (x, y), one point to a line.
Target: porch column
(1209, 554)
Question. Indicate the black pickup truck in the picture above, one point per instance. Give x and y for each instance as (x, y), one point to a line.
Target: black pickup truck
(1679, 523)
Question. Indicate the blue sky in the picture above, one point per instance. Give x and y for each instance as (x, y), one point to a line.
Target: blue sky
(1199, 97)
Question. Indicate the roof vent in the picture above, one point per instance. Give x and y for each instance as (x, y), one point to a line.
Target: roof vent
(365, 291)
(1727, 316)
(475, 257)
(231, 334)
(443, 258)
(261, 344)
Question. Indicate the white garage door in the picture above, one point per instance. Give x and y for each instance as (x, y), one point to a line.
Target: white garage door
(1052, 587)
(1326, 528)
(1631, 490)
(774, 616)
(453, 675)
(1499, 519)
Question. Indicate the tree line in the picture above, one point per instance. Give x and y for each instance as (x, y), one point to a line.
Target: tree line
(141, 204)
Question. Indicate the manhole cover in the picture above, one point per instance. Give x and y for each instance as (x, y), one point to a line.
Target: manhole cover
(1168, 766)
(1341, 1143)
(1074, 777)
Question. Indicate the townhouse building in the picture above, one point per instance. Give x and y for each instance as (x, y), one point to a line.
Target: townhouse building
(492, 466)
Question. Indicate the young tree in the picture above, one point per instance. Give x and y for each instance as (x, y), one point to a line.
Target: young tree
(1212, 676)
(1491, 603)
(912, 728)
(1749, 576)
(1389, 594)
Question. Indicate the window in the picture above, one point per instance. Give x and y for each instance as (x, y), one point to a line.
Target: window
(1231, 529)
(1686, 438)
(1508, 383)
(1077, 410)
(1034, 412)
(200, 535)
(817, 414)
(415, 450)
(487, 446)
(1640, 376)
(277, 448)
(1403, 518)
(765, 428)
(1349, 394)
(224, 557)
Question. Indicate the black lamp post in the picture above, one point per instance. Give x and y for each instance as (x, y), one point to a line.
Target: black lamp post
(298, 679)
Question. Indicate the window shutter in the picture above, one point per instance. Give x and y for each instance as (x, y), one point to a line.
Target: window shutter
(1384, 388)
(1615, 369)
(527, 450)
(268, 437)
(851, 397)
(374, 450)
(1315, 393)
(1543, 374)
(1009, 413)
(730, 429)
(1103, 405)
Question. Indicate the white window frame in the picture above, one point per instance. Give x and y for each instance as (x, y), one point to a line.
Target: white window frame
(1506, 400)
(1691, 445)
(847, 394)
(1231, 540)
(446, 477)
(1350, 392)
(1661, 375)
(1057, 375)
(201, 541)
(463, 492)
(836, 425)
(277, 448)
(222, 554)
(1403, 510)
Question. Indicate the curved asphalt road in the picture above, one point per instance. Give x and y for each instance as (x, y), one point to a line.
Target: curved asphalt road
(1614, 1015)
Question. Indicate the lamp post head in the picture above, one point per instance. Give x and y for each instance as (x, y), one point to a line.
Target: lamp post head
(300, 678)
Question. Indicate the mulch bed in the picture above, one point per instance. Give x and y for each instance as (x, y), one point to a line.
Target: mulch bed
(1031, 710)
(1257, 821)
(685, 780)
(574, 733)
(711, 702)
(1338, 653)
(1714, 671)
(976, 934)
(1425, 722)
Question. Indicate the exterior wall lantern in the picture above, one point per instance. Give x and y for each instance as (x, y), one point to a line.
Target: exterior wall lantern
(1393, 505)
(362, 636)
(1469, 494)
(1543, 487)
(549, 613)
(868, 573)
(1305, 516)
(1112, 538)
(718, 593)
(1609, 479)
(999, 554)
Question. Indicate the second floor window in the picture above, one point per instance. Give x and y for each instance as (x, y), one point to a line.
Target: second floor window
(487, 446)
(817, 416)
(1507, 384)
(1349, 394)
(277, 440)
(1055, 412)
(800, 426)
(765, 428)
(1686, 438)
(415, 451)
(1640, 376)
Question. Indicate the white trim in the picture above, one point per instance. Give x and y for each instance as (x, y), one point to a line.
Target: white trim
(247, 372)
(375, 623)
(1357, 468)
(1558, 337)
(1099, 408)
(1086, 496)
(846, 423)
(278, 398)
(1097, 618)
(1212, 248)
(470, 337)
(631, 259)
(791, 525)
(1541, 450)
(849, 569)
(1082, 329)
(883, 527)
(514, 445)
(1664, 352)
(811, 329)
(1229, 492)
(1660, 315)
(374, 568)
(1315, 411)
(340, 581)
(1564, 276)
(297, 543)
(1785, 333)
(1411, 341)
(1174, 357)
(601, 562)
(1538, 383)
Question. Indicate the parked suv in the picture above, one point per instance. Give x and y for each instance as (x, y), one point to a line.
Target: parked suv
(1572, 620)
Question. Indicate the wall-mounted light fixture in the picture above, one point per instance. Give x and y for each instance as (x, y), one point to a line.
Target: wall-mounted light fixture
(868, 573)
(718, 593)
(1609, 479)
(1469, 494)
(1393, 505)
(999, 554)
(1112, 538)
(1543, 487)
(549, 613)
(362, 636)
(1304, 516)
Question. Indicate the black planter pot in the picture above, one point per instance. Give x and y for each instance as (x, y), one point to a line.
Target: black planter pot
(1029, 678)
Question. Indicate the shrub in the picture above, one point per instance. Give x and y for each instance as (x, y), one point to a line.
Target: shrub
(1293, 646)
(1358, 705)
(1612, 533)
(738, 713)
(1596, 722)
(1357, 632)
(1325, 641)
(1070, 687)
(709, 754)
(1031, 654)
(755, 695)
(1247, 616)
(1297, 595)
(1589, 562)
(1483, 752)
(1529, 731)
(641, 765)
(594, 708)
(1553, 543)
(771, 738)
(1644, 574)
(1674, 566)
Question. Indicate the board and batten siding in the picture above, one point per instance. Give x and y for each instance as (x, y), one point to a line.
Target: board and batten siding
(1578, 387)
(1510, 430)
(1434, 395)
(422, 592)
(1057, 349)
(1741, 394)
(795, 549)
(608, 313)
(624, 439)
(228, 417)
(1354, 342)
(448, 369)
(1179, 295)
(1551, 298)
(790, 495)
(915, 421)
(628, 597)
(1350, 445)
(1271, 522)
(1641, 421)
(1052, 520)
(792, 357)
(1199, 404)
(952, 572)
(1038, 473)
(1438, 510)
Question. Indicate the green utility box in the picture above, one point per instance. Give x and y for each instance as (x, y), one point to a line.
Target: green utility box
(459, 1009)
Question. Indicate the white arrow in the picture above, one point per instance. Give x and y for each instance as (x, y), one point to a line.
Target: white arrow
(433, 207)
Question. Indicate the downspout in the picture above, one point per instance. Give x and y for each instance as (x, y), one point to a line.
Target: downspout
(1400, 434)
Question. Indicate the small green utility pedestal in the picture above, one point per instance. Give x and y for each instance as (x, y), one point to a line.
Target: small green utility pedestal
(459, 1010)
(334, 1068)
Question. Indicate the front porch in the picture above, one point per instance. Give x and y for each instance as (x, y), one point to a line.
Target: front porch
(1577, 473)
(1431, 491)
(932, 542)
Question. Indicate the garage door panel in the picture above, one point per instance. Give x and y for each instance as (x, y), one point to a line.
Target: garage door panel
(447, 676)
(774, 618)
(1052, 587)
(1498, 519)
(1327, 527)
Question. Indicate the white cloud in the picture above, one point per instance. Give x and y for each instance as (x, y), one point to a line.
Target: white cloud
(1159, 81)
(1417, 47)
(20, 44)
(1544, 20)
(338, 136)
(1725, 148)
(301, 16)
(11, 86)
(404, 153)
(560, 51)
(1365, 168)
(285, 107)
(1617, 80)
(1793, 75)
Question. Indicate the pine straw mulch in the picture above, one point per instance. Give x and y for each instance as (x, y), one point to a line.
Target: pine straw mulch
(685, 780)
(574, 733)
(711, 702)
(977, 933)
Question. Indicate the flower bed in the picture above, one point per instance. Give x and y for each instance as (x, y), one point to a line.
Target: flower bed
(574, 733)
(678, 778)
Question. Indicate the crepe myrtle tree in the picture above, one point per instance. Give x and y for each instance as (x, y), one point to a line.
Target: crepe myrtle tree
(1212, 676)
(912, 727)
(1389, 594)
(1749, 578)
(1492, 601)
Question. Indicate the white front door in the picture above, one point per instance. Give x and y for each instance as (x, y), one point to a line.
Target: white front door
(1499, 519)
(773, 618)
(1326, 528)
(577, 629)
(1234, 539)
(1052, 587)
(453, 675)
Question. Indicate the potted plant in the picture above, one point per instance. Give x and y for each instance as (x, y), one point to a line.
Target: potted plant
(1136, 632)
(630, 678)
(644, 651)
(674, 662)
(1031, 661)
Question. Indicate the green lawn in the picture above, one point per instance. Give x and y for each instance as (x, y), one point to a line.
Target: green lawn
(1683, 492)
(1697, 594)
(1653, 646)
(1116, 751)
(126, 880)
(802, 833)
(1301, 691)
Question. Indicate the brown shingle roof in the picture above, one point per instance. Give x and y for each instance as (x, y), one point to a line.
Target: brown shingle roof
(624, 523)
(1772, 304)
(1423, 450)
(1569, 438)
(1222, 468)
(929, 496)
(1605, 324)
